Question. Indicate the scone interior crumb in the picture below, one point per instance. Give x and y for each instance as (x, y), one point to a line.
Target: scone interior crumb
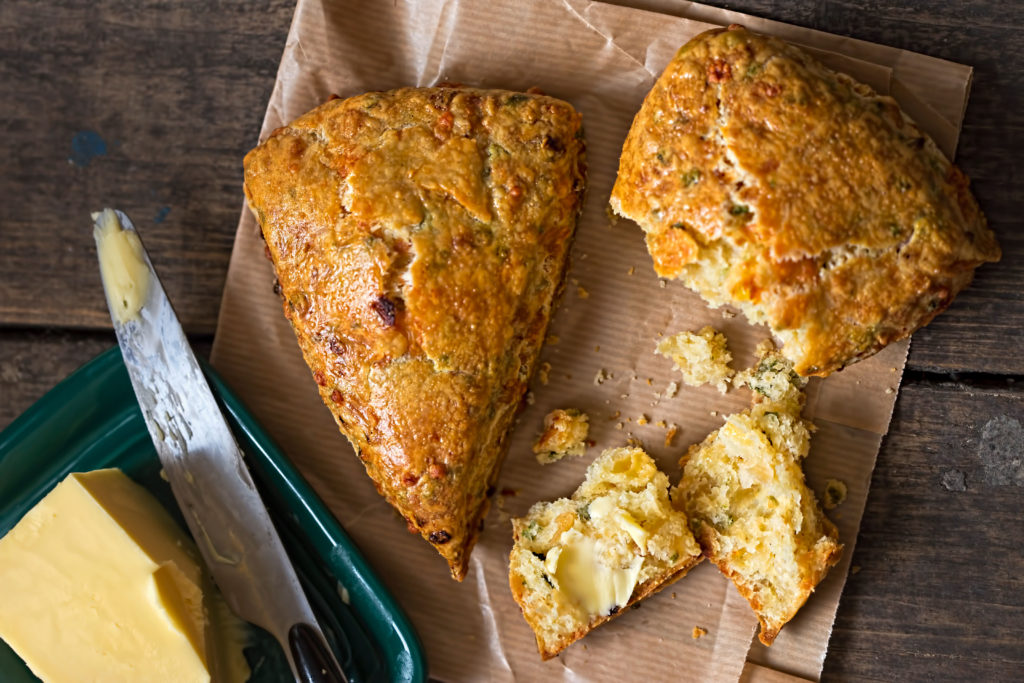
(702, 357)
(835, 494)
(577, 561)
(744, 491)
(565, 433)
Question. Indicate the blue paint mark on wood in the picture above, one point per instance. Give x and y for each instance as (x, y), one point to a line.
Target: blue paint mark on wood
(86, 145)
(161, 214)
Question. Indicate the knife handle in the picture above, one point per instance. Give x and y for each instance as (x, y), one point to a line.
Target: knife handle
(313, 661)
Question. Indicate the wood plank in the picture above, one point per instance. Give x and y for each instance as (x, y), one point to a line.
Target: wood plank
(176, 92)
(32, 362)
(940, 590)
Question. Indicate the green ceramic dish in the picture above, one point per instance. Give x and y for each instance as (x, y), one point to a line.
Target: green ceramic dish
(91, 420)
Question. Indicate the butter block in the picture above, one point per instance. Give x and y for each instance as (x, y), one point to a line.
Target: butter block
(100, 584)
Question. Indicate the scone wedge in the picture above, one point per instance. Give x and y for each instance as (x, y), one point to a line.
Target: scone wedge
(749, 506)
(419, 237)
(577, 562)
(764, 180)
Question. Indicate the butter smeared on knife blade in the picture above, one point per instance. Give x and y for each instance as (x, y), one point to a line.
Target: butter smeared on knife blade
(124, 271)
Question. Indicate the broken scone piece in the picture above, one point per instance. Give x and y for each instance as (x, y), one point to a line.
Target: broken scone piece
(565, 433)
(766, 181)
(744, 492)
(703, 357)
(577, 562)
(419, 237)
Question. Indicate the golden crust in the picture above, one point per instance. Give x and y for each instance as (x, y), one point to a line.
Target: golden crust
(767, 181)
(419, 237)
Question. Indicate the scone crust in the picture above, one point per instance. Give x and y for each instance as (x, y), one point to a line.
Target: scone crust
(765, 180)
(419, 237)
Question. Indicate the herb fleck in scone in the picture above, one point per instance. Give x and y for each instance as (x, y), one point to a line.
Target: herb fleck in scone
(419, 237)
(764, 180)
(565, 433)
(744, 492)
(577, 562)
(703, 357)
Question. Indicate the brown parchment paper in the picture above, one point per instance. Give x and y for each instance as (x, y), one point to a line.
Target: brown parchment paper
(603, 58)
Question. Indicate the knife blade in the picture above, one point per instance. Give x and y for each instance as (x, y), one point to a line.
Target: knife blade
(201, 459)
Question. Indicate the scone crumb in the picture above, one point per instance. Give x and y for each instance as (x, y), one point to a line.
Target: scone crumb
(615, 416)
(672, 389)
(697, 630)
(632, 269)
(530, 398)
(619, 426)
(543, 373)
(551, 340)
(662, 424)
(855, 569)
(582, 292)
(600, 377)
(642, 420)
(565, 433)
(670, 436)
(726, 313)
(835, 494)
(888, 390)
(662, 284)
(703, 357)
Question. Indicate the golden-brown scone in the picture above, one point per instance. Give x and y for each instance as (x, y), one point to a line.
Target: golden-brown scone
(764, 180)
(419, 237)
(577, 562)
(744, 492)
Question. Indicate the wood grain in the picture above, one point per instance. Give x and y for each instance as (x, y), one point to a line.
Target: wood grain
(33, 361)
(177, 91)
(940, 591)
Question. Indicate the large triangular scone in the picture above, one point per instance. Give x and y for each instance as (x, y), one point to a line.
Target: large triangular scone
(419, 237)
(764, 180)
(577, 562)
(745, 495)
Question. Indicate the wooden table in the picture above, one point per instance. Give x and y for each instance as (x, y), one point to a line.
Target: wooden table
(150, 106)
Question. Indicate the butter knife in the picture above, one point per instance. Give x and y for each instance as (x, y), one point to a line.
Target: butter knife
(202, 460)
